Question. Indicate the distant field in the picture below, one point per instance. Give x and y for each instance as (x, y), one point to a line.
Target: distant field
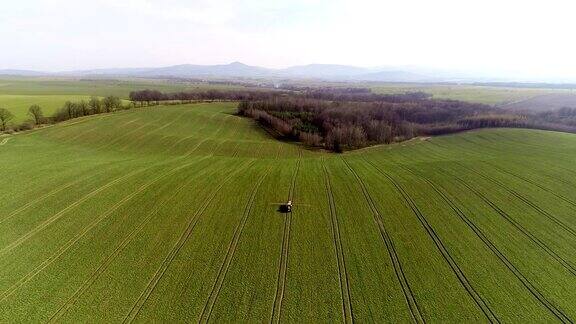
(170, 214)
(68, 86)
(19, 104)
(545, 102)
(18, 94)
(481, 94)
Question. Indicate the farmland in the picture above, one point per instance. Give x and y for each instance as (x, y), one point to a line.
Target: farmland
(170, 213)
(18, 93)
(473, 93)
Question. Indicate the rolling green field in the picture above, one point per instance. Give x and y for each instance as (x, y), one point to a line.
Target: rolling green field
(171, 214)
(18, 93)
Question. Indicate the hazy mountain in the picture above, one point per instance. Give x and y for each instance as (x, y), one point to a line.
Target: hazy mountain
(235, 69)
(324, 71)
(12, 72)
(396, 76)
(112, 72)
(331, 72)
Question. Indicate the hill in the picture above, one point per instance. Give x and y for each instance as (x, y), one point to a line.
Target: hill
(171, 214)
(241, 70)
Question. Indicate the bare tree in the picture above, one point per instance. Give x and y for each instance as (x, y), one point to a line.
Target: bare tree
(111, 103)
(35, 112)
(95, 105)
(5, 117)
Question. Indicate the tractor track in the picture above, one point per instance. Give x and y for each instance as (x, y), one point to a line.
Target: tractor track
(480, 302)
(400, 275)
(151, 286)
(112, 256)
(223, 271)
(282, 269)
(59, 214)
(189, 152)
(569, 201)
(519, 227)
(30, 275)
(110, 144)
(4, 141)
(47, 195)
(142, 137)
(199, 130)
(542, 212)
(347, 311)
(480, 234)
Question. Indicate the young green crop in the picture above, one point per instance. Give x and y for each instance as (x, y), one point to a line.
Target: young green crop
(171, 213)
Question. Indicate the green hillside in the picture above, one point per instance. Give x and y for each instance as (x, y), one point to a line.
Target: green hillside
(171, 214)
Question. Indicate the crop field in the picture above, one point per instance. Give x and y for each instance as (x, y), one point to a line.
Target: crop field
(473, 93)
(19, 104)
(17, 94)
(171, 214)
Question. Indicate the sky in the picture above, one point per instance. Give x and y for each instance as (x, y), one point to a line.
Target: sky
(530, 37)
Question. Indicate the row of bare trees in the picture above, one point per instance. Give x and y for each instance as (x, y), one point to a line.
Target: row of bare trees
(93, 106)
(34, 111)
(155, 97)
(343, 125)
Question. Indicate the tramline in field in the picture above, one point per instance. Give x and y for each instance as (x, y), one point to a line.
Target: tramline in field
(179, 218)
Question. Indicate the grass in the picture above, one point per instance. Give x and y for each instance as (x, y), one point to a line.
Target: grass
(170, 213)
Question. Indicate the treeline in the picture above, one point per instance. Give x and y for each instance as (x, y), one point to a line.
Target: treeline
(155, 97)
(70, 110)
(344, 125)
(361, 95)
(94, 106)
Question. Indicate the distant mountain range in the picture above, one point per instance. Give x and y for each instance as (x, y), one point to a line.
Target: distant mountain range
(240, 70)
(237, 70)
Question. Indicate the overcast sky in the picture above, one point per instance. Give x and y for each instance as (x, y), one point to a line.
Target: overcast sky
(530, 37)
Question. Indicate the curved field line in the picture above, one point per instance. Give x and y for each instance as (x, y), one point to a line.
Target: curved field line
(528, 202)
(217, 286)
(347, 311)
(4, 141)
(480, 234)
(30, 275)
(80, 134)
(569, 201)
(521, 228)
(441, 247)
(282, 270)
(389, 243)
(59, 214)
(140, 138)
(188, 153)
(151, 286)
(110, 143)
(517, 225)
(111, 257)
(191, 136)
(49, 194)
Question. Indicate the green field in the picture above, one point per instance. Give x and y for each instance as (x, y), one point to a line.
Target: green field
(19, 104)
(472, 93)
(17, 94)
(170, 214)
